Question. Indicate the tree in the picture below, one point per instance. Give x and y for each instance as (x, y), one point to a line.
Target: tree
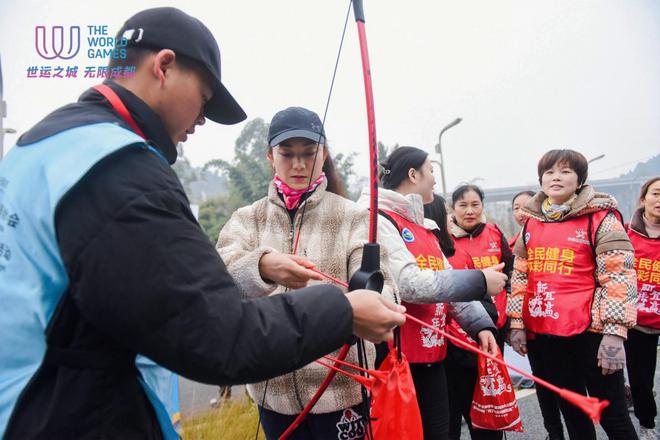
(250, 172)
(345, 167)
(213, 214)
(186, 173)
(384, 151)
(344, 164)
(248, 177)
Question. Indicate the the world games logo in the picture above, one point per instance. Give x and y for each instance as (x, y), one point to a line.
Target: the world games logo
(65, 43)
(52, 48)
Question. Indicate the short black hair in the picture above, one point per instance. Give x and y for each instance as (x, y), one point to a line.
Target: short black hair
(461, 190)
(437, 211)
(573, 159)
(135, 56)
(397, 165)
(526, 193)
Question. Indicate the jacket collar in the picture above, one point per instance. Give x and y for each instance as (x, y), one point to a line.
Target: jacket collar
(311, 200)
(410, 206)
(147, 119)
(459, 232)
(637, 223)
(587, 201)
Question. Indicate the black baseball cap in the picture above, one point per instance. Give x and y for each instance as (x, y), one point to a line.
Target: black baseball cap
(171, 28)
(295, 122)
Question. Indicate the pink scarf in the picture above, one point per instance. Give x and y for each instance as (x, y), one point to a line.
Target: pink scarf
(292, 196)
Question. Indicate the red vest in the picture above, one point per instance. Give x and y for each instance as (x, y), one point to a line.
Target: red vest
(486, 251)
(461, 260)
(561, 270)
(420, 344)
(647, 265)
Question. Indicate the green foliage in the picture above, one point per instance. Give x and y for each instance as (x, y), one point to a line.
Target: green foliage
(213, 214)
(248, 176)
(250, 172)
(344, 165)
(384, 151)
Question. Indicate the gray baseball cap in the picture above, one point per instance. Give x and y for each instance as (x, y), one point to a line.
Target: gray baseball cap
(295, 122)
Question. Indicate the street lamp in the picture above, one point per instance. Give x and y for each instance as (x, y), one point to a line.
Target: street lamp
(438, 149)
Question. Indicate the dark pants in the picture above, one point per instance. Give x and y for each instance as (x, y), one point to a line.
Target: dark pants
(641, 358)
(347, 424)
(431, 388)
(548, 401)
(570, 362)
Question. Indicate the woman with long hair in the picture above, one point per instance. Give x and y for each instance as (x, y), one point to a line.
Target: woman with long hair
(429, 292)
(573, 286)
(437, 211)
(641, 345)
(272, 245)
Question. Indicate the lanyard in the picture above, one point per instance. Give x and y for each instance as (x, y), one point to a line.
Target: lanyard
(119, 107)
(117, 104)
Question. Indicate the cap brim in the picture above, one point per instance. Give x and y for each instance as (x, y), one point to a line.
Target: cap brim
(290, 134)
(223, 108)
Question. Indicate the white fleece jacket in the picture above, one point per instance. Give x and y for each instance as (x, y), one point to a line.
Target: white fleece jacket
(460, 288)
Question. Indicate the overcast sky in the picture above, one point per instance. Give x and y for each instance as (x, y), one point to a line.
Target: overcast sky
(525, 76)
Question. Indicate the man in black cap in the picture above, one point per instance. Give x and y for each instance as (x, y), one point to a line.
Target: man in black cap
(103, 260)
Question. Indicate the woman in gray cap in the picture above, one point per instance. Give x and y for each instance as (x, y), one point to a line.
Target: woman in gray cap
(269, 247)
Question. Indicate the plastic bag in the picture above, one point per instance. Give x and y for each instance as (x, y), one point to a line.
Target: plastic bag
(494, 404)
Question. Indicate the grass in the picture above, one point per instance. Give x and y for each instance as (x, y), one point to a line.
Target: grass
(234, 420)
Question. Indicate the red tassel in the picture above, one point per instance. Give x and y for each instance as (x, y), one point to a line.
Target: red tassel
(375, 373)
(591, 406)
(368, 382)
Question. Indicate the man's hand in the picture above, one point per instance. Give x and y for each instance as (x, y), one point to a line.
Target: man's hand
(487, 342)
(495, 279)
(611, 354)
(374, 317)
(518, 341)
(287, 270)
